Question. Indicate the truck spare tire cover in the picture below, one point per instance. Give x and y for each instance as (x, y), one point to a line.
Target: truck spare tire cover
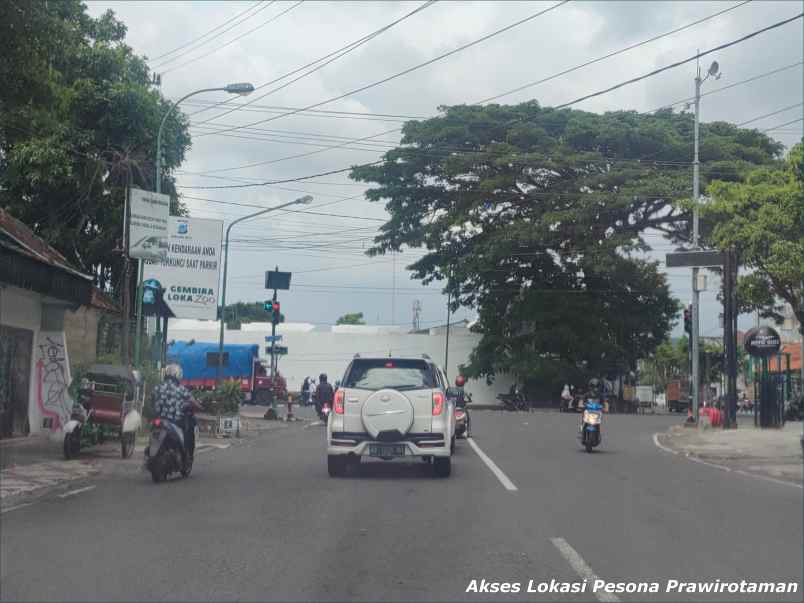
(387, 410)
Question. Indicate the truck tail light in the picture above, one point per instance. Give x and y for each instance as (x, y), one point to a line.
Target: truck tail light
(438, 403)
(340, 395)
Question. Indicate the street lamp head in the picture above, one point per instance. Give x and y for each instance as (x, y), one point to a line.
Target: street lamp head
(241, 88)
(714, 68)
(306, 200)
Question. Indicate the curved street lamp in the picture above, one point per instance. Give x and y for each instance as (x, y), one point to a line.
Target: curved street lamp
(306, 200)
(240, 88)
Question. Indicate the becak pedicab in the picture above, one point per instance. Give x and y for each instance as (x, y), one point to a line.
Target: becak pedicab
(109, 406)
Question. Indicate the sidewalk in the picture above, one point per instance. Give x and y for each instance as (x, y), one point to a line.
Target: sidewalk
(33, 466)
(774, 453)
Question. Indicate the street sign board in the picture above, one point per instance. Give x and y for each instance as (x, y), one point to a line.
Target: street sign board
(190, 273)
(279, 350)
(148, 216)
(692, 259)
(762, 341)
(270, 338)
(274, 279)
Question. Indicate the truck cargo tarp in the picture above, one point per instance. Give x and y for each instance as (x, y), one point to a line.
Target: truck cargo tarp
(192, 357)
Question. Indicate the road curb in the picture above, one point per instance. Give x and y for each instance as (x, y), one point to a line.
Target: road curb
(696, 459)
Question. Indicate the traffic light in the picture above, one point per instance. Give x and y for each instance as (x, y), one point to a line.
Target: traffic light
(688, 319)
(275, 313)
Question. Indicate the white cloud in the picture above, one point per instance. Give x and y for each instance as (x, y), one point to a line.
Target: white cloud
(567, 36)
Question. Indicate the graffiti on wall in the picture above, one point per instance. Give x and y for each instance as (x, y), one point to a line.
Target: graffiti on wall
(52, 381)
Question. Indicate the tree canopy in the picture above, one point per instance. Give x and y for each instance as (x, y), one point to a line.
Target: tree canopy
(78, 117)
(762, 219)
(355, 318)
(536, 217)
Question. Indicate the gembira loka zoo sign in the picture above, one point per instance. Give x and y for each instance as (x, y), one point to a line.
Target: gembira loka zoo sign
(190, 272)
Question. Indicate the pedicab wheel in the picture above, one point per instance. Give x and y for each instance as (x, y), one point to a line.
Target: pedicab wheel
(452, 445)
(127, 442)
(156, 475)
(72, 445)
(589, 447)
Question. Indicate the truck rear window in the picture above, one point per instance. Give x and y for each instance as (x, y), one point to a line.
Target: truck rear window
(388, 373)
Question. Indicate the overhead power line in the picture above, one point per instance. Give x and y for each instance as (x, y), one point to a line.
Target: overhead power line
(405, 71)
(396, 130)
(612, 54)
(235, 39)
(735, 84)
(327, 112)
(795, 121)
(201, 37)
(769, 114)
(694, 57)
(323, 61)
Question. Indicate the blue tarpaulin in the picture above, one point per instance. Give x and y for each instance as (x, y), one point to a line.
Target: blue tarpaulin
(192, 357)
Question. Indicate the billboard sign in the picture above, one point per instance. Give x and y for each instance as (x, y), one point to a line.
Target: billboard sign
(148, 224)
(190, 272)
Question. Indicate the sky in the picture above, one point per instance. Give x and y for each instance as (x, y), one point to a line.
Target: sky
(212, 44)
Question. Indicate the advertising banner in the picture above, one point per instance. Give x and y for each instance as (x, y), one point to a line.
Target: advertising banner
(148, 224)
(190, 272)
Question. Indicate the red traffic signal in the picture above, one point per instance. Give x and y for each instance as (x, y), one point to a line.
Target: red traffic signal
(275, 307)
(688, 319)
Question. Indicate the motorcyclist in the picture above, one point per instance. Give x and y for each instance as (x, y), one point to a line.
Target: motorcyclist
(305, 391)
(174, 402)
(324, 394)
(460, 381)
(595, 392)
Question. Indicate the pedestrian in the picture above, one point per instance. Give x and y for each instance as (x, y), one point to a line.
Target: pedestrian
(312, 391)
(305, 391)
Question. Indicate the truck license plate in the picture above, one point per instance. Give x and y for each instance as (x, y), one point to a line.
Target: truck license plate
(386, 450)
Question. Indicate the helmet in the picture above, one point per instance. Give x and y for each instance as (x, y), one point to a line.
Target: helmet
(174, 371)
(460, 380)
(595, 386)
(322, 378)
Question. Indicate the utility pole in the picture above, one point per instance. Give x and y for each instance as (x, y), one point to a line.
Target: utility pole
(696, 193)
(126, 326)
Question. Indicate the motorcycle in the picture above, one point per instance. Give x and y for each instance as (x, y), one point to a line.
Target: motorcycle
(590, 428)
(166, 453)
(463, 422)
(323, 411)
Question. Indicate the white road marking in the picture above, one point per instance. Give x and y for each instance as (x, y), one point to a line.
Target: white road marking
(9, 509)
(581, 567)
(695, 459)
(507, 483)
(78, 491)
(314, 424)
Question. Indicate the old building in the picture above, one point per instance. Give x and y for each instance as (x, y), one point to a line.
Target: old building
(37, 285)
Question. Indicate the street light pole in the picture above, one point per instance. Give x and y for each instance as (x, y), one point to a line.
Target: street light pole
(242, 89)
(300, 201)
(695, 293)
(696, 193)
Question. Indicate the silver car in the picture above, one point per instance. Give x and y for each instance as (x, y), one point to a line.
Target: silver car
(391, 408)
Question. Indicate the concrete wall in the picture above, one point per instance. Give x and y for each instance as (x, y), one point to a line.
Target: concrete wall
(81, 331)
(312, 353)
(50, 367)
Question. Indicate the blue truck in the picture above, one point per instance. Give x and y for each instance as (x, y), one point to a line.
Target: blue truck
(199, 363)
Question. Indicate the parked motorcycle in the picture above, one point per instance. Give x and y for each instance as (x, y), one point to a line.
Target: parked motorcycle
(590, 428)
(166, 453)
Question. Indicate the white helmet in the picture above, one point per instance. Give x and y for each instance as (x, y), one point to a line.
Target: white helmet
(174, 370)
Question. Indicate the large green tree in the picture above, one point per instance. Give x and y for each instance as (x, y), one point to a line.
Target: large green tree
(77, 119)
(762, 219)
(533, 216)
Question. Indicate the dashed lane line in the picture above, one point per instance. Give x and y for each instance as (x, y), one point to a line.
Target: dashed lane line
(581, 567)
(498, 473)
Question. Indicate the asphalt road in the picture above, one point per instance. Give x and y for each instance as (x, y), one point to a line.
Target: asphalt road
(263, 521)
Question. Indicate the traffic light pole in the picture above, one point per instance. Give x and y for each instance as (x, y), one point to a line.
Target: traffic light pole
(274, 320)
(696, 191)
